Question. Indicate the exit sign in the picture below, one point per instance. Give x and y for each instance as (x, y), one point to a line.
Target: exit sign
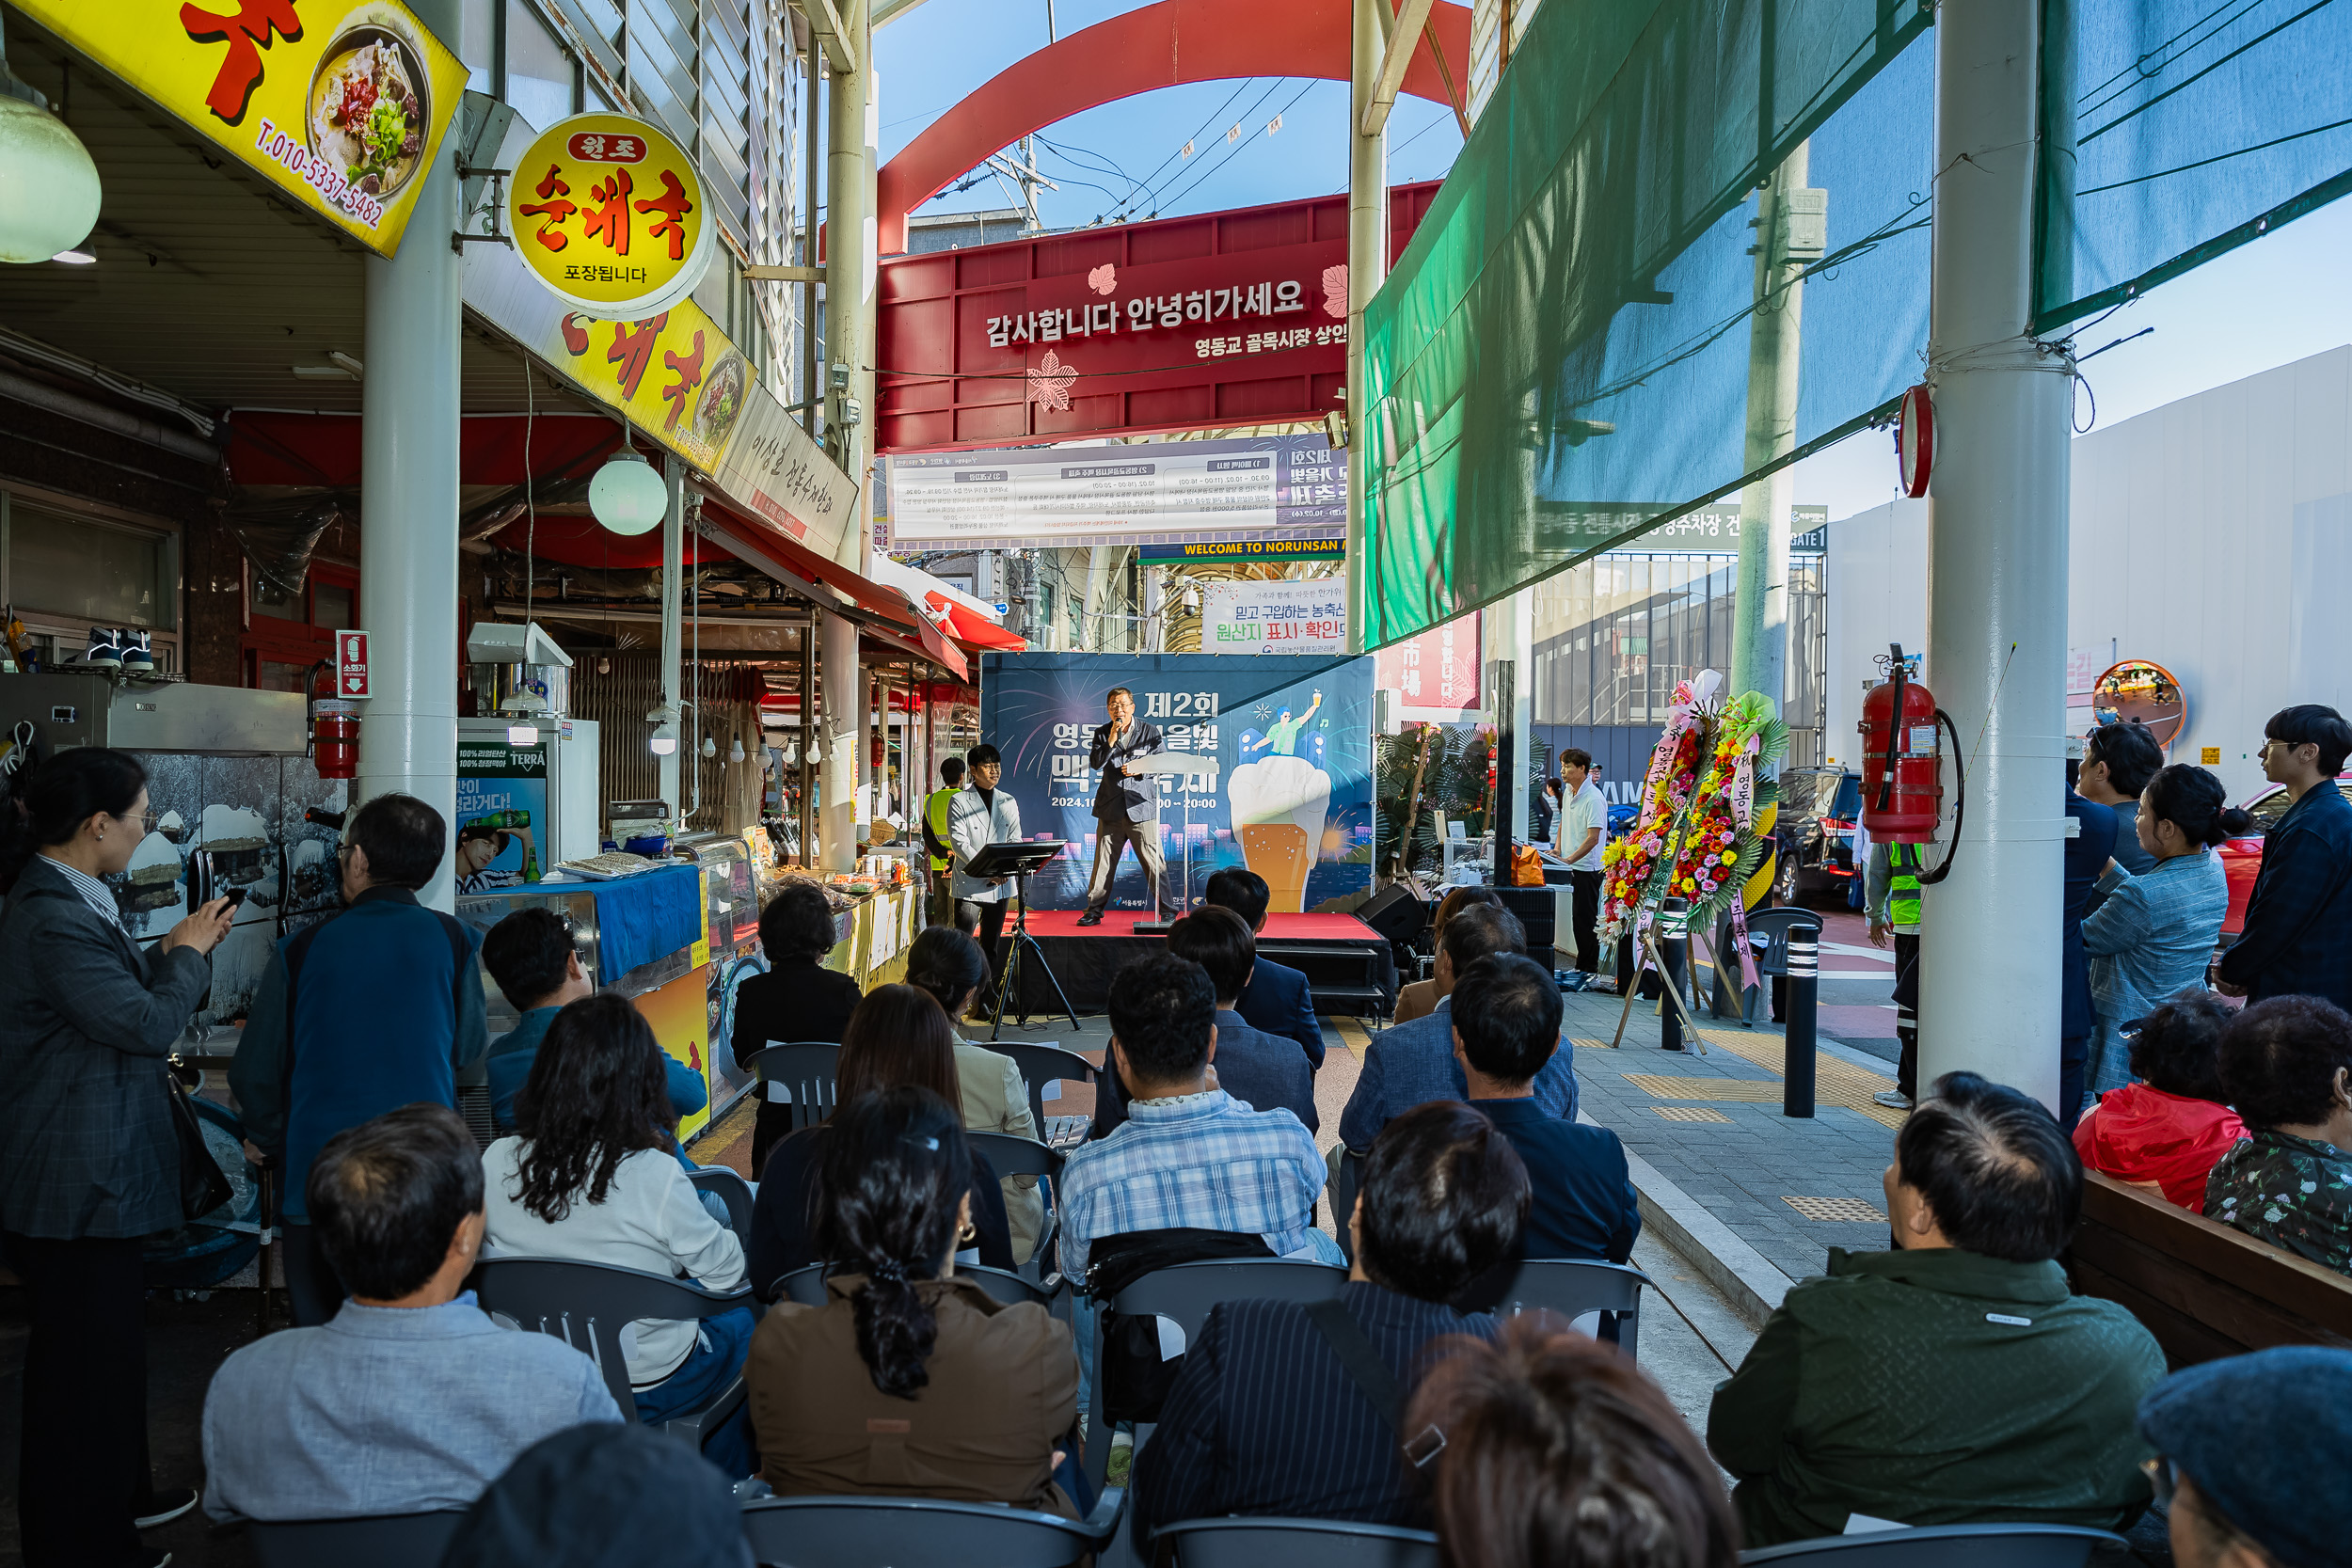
(351, 664)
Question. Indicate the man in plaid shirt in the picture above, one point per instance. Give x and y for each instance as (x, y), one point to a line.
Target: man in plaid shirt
(1188, 1155)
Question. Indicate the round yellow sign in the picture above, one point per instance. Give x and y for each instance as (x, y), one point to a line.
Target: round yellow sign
(609, 214)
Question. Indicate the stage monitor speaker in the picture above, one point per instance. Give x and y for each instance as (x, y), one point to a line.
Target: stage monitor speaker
(1396, 914)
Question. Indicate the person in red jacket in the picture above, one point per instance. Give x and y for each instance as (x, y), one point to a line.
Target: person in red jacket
(2168, 1131)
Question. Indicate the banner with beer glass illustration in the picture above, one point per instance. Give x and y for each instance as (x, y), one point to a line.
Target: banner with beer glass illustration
(1292, 737)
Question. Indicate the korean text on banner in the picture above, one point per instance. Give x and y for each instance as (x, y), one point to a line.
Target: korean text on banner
(1435, 672)
(607, 212)
(1274, 617)
(340, 105)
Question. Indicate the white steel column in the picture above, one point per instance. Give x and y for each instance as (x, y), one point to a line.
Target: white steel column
(673, 632)
(409, 505)
(844, 738)
(1367, 266)
(1990, 971)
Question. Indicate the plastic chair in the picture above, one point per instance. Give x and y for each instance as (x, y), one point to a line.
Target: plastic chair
(368, 1541)
(1016, 1156)
(1568, 1286)
(587, 1305)
(1041, 1064)
(805, 1286)
(1183, 1293)
(1296, 1544)
(733, 1191)
(1346, 1184)
(921, 1532)
(1768, 938)
(1947, 1547)
(807, 1070)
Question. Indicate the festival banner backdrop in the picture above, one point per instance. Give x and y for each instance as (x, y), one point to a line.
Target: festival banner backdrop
(1292, 735)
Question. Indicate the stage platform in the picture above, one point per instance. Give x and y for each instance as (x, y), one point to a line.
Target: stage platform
(1349, 967)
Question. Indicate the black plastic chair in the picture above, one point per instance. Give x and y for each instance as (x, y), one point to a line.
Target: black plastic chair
(1296, 1544)
(368, 1541)
(733, 1191)
(805, 1286)
(921, 1532)
(587, 1305)
(1041, 1064)
(1183, 1293)
(806, 1070)
(1768, 939)
(1568, 1286)
(1345, 1183)
(1947, 1547)
(1015, 1156)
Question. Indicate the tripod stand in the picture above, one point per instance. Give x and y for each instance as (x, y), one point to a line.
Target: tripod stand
(1017, 859)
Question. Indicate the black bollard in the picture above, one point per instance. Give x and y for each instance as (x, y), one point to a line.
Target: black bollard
(1804, 988)
(1674, 951)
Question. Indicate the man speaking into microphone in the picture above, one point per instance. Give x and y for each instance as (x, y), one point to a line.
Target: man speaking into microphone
(1126, 804)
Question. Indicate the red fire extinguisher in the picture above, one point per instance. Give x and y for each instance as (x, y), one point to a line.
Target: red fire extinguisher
(1902, 790)
(335, 738)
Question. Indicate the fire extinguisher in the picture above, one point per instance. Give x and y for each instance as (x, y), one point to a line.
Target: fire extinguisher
(335, 737)
(1902, 763)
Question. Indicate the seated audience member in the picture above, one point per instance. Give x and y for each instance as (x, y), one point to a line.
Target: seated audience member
(1262, 1071)
(603, 1497)
(530, 954)
(1560, 1451)
(1506, 1025)
(1276, 997)
(1415, 1062)
(798, 999)
(948, 965)
(1189, 1155)
(1265, 1419)
(2251, 1452)
(1954, 1379)
(410, 1398)
(589, 1178)
(908, 1382)
(896, 1037)
(1419, 999)
(2166, 1132)
(2287, 1063)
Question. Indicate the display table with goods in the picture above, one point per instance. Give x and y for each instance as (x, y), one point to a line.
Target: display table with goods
(1700, 847)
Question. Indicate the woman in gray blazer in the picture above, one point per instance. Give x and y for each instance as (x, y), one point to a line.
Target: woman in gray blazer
(90, 1166)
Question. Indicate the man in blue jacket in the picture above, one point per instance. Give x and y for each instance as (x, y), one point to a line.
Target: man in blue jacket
(1276, 998)
(373, 1008)
(2297, 937)
(2087, 856)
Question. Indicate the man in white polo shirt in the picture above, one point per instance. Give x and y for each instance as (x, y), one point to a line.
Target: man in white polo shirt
(1584, 827)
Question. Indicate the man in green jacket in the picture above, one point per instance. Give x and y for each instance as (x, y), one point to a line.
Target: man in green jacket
(1954, 1379)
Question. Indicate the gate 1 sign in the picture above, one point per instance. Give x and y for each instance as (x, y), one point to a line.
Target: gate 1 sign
(1274, 617)
(1293, 735)
(351, 664)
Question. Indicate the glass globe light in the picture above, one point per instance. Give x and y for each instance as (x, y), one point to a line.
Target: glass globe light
(626, 496)
(710, 748)
(49, 189)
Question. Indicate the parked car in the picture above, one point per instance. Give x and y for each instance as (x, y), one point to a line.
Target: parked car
(2242, 857)
(1818, 808)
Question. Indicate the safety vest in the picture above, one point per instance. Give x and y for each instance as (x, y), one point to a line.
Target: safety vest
(935, 817)
(1902, 896)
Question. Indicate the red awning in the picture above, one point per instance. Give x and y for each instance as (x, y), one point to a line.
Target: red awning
(584, 542)
(966, 625)
(795, 563)
(269, 447)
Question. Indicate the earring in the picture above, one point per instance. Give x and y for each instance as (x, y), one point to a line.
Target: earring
(969, 1234)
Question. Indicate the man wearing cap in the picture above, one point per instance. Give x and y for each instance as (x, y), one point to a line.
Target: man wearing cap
(2251, 1452)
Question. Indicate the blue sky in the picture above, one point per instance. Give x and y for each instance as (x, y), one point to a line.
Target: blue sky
(2278, 300)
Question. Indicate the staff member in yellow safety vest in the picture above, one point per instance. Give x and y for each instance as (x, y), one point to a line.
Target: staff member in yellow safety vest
(935, 840)
(1892, 897)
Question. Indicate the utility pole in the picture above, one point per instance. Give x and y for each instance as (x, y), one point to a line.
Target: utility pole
(1791, 224)
(1990, 968)
(1367, 266)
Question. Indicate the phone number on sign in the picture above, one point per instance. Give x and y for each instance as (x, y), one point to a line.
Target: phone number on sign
(315, 172)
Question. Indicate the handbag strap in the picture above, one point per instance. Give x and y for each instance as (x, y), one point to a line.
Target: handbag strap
(1362, 1361)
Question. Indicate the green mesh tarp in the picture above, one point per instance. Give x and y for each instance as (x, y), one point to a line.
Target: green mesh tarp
(1560, 358)
(2177, 130)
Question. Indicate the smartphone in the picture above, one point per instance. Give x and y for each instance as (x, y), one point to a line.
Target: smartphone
(235, 896)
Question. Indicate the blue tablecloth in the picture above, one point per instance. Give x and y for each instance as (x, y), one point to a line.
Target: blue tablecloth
(646, 917)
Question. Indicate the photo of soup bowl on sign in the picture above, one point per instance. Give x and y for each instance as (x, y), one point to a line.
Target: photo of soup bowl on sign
(722, 399)
(370, 106)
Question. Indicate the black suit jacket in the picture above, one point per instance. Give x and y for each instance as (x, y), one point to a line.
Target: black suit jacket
(1130, 797)
(1263, 1070)
(1582, 1200)
(2297, 938)
(1276, 1001)
(798, 1000)
(1263, 1419)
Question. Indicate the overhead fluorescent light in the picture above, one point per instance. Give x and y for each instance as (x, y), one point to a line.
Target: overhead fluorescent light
(347, 362)
(320, 372)
(77, 258)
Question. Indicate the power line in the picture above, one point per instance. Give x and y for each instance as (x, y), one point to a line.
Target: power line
(1178, 154)
(1238, 147)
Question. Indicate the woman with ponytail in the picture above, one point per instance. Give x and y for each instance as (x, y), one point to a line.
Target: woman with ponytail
(2154, 934)
(908, 1382)
(89, 1163)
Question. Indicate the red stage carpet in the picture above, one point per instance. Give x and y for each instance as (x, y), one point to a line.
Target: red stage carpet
(1348, 965)
(1278, 927)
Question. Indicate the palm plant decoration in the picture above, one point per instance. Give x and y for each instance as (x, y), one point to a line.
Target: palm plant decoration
(1428, 769)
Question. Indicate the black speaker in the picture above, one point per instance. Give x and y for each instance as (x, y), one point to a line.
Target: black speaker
(1396, 914)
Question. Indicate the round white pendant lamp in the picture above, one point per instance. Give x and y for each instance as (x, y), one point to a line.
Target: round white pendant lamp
(626, 496)
(49, 187)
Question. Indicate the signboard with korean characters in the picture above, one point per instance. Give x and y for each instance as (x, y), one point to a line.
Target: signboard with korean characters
(341, 105)
(608, 212)
(1281, 617)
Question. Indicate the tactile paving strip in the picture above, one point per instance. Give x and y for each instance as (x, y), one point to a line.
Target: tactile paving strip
(1689, 1113)
(1660, 1086)
(1845, 1210)
(1835, 1081)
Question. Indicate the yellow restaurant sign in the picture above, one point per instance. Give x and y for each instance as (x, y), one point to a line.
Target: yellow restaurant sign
(342, 105)
(607, 212)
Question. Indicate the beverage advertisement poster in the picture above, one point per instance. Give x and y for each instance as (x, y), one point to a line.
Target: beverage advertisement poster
(1293, 740)
(501, 814)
